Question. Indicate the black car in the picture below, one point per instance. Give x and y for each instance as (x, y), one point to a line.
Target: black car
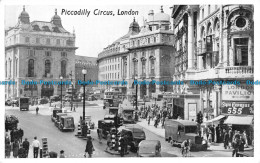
(134, 136)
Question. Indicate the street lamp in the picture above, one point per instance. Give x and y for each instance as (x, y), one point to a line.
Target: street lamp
(61, 92)
(71, 102)
(84, 72)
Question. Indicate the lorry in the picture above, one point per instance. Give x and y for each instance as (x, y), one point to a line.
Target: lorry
(176, 131)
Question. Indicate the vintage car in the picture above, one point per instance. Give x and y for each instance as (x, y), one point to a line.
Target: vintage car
(106, 126)
(176, 131)
(127, 114)
(57, 120)
(149, 148)
(54, 113)
(134, 136)
(66, 123)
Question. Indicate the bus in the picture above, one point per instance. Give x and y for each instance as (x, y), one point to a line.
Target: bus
(112, 98)
(24, 103)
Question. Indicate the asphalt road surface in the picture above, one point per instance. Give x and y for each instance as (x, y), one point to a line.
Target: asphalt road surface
(41, 126)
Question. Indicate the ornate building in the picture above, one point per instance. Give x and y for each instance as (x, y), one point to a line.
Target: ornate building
(38, 50)
(214, 43)
(144, 54)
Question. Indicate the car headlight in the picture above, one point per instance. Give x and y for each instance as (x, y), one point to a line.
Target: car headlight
(204, 142)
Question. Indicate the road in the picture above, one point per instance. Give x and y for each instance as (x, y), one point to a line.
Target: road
(41, 126)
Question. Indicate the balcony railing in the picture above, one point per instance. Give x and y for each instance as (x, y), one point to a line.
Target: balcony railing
(143, 75)
(47, 76)
(239, 70)
(31, 75)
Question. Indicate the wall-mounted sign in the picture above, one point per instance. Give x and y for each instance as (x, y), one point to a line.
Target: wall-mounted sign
(240, 92)
(237, 108)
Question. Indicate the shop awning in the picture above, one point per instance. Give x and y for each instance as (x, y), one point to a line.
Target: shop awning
(215, 119)
(238, 120)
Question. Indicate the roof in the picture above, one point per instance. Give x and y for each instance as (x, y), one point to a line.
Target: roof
(184, 122)
(85, 60)
(148, 143)
(239, 120)
(66, 116)
(48, 25)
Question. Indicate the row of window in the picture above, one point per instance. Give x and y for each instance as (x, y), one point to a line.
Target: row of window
(47, 68)
(48, 41)
(112, 67)
(149, 40)
(47, 53)
(110, 76)
(209, 8)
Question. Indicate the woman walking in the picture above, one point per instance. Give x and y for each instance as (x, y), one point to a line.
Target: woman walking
(89, 148)
(15, 148)
(8, 149)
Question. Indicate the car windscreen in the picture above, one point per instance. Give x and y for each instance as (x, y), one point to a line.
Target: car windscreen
(138, 134)
(190, 129)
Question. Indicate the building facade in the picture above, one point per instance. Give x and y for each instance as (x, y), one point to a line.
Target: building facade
(35, 51)
(90, 64)
(215, 57)
(143, 54)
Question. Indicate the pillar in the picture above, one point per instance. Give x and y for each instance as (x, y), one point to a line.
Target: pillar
(250, 53)
(190, 39)
(221, 37)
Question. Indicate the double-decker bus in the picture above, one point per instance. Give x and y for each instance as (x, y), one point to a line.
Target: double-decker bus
(112, 98)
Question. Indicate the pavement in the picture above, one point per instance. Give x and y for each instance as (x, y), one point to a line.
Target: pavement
(161, 132)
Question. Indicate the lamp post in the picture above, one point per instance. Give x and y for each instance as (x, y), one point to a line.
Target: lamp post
(61, 92)
(71, 103)
(84, 72)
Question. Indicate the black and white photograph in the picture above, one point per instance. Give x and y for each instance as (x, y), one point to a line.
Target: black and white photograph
(108, 81)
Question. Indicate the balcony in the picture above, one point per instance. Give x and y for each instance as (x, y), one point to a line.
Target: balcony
(232, 72)
(152, 74)
(143, 75)
(47, 76)
(31, 75)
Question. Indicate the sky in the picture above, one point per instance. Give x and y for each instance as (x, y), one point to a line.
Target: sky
(93, 32)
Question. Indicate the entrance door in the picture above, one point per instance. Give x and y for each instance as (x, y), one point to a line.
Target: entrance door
(47, 91)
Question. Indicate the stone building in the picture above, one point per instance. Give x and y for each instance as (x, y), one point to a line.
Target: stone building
(90, 64)
(214, 43)
(144, 54)
(38, 50)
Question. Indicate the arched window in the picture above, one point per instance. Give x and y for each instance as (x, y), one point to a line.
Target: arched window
(31, 68)
(10, 68)
(63, 68)
(47, 67)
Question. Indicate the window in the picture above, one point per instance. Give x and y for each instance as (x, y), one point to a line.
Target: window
(166, 27)
(118, 75)
(63, 54)
(152, 67)
(180, 128)
(202, 13)
(31, 52)
(240, 22)
(69, 42)
(138, 42)
(47, 53)
(148, 40)
(143, 68)
(47, 67)
(208, 9)
(48, 41)
(135, 68)
(118, 66)
(10, 68)
(63, 68)
(37, 40)
(27, 39)
(31, 68)
(154, 39)
(241, 51)
(58, 41)
(46, 28)
(5, 68)
(16, 67)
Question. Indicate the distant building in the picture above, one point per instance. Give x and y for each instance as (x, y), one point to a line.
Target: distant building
(38, 50)
(90, 63)
(144, 53)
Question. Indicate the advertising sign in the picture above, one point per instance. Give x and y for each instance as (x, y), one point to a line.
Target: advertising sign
(192, 111)
(240, 92)
(237, 108)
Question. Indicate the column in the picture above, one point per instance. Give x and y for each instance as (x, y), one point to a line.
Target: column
(190, 39)
(221, 37)
(250, 53)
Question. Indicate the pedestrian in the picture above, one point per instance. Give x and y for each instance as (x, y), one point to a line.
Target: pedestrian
(109, 139)
(7, 138)
(37, 110)
(12, 135)
(15, 148)
(122, 146)
(8, 149)
(26, 146)
(21, 152)
(36, 146)
(53, 154)
(62, 154)
(226, 140)
(99, 132)
(20, 131)
(210, 135)
(235, 146)
(245, 137)
(89, 147)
